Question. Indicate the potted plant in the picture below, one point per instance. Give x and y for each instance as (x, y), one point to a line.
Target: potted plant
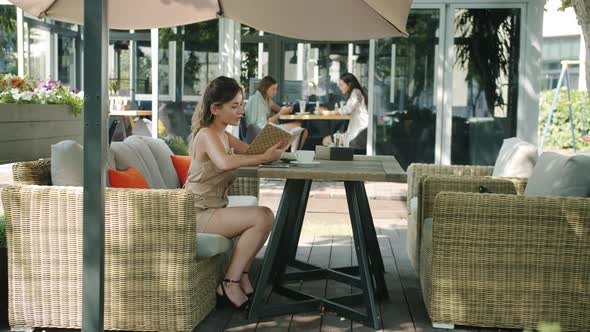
(3, 273)
(36, 114)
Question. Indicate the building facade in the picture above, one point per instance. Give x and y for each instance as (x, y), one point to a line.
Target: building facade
(466, 78)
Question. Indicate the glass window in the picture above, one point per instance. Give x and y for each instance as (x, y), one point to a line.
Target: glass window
(38, 46)
(66, 60)
(196, 51)
(485, 83)
(200, 57)
(249, 66)
(8, 53)
(255, 60)
(404, 102)
(119, 67)
(144, 67)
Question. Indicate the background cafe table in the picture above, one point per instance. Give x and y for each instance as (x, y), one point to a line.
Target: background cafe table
(303, 117)
(129, 115)
(368, 276)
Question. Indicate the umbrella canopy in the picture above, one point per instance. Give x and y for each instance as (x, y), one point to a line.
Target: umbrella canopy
(304, 19)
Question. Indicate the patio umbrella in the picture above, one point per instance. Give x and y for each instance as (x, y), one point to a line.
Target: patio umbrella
(304, 19)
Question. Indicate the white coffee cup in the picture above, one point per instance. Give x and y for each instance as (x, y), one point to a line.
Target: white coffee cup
(305, 156)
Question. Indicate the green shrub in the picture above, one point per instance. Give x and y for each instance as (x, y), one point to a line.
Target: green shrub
(559, 134)
(177, 145)
(2, 231)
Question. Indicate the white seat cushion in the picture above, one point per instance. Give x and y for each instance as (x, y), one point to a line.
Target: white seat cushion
(561, 176)
(209, 245)
(516, 158)
(242, 201)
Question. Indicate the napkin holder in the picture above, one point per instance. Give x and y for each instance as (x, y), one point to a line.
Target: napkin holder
(333, 153)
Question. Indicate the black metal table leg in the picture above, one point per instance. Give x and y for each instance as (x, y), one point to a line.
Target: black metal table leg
(372, 241)
(368, 223)
(297, 221)
(291, 233)
(360, 242)
(281, 252)
(287, 200)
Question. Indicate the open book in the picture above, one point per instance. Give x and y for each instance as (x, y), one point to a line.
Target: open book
(270, 135)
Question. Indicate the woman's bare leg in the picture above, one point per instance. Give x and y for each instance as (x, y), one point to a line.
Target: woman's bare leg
(253, 224)
(299, 141)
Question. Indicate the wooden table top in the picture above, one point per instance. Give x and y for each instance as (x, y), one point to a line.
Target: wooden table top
(130, 113)
(314, 117)
(362, 168)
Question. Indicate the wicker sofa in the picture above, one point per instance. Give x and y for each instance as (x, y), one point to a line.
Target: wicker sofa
(501, 259)
(154, 280)
(516, 158)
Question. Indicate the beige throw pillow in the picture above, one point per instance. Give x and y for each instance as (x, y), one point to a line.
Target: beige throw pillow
(516, 158)
(67, 164)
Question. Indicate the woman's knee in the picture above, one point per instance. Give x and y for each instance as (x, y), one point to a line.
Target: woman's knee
(266, 217)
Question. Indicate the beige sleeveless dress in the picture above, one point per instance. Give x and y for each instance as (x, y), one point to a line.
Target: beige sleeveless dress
(210, 185)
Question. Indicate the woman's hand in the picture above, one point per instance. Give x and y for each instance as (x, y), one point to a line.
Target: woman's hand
(286, 110)
(274, 152)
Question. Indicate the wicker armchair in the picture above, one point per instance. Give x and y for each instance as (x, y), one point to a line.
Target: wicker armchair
(416, 174)
(153, 280)
(505, 260)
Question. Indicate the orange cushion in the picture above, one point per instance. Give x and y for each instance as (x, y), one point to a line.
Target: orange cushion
(181, 164)
(129, 178)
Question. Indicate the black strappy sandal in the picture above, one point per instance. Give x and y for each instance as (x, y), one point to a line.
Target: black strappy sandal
(249, 295)
(223, 300)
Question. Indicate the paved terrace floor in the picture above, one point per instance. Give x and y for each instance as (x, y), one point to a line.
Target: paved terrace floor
(327, 241)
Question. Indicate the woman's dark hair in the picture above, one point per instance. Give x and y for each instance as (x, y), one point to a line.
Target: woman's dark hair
(353, 83)
(264, 85)
(218, 92)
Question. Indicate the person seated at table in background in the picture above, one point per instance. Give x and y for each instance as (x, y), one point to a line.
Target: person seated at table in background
(259, 112)
(216, 154)
(356, 106)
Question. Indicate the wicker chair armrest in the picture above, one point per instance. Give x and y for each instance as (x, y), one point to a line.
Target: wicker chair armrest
(152, 219)
(504, 253)
(35, 172)
(417, 170)
(245, 186)
(431, 185)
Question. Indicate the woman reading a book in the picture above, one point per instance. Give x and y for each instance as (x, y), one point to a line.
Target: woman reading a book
(216, 154)
(356, 106)
(259, 112)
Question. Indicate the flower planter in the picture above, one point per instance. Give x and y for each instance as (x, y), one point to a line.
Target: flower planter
(27, 131)
(3, 287)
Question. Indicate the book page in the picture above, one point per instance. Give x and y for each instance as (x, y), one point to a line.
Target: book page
(270, 135)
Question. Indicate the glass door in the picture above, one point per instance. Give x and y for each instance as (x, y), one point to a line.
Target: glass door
(405, 104)
(484, 56)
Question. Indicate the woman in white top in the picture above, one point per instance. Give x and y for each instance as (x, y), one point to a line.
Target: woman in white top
(356, 106)
(259, 111)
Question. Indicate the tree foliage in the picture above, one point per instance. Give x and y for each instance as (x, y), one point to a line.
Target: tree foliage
(485, 48)
(559, 135)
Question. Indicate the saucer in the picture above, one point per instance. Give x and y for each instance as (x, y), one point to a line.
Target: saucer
(305, 164)
(302, 113)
